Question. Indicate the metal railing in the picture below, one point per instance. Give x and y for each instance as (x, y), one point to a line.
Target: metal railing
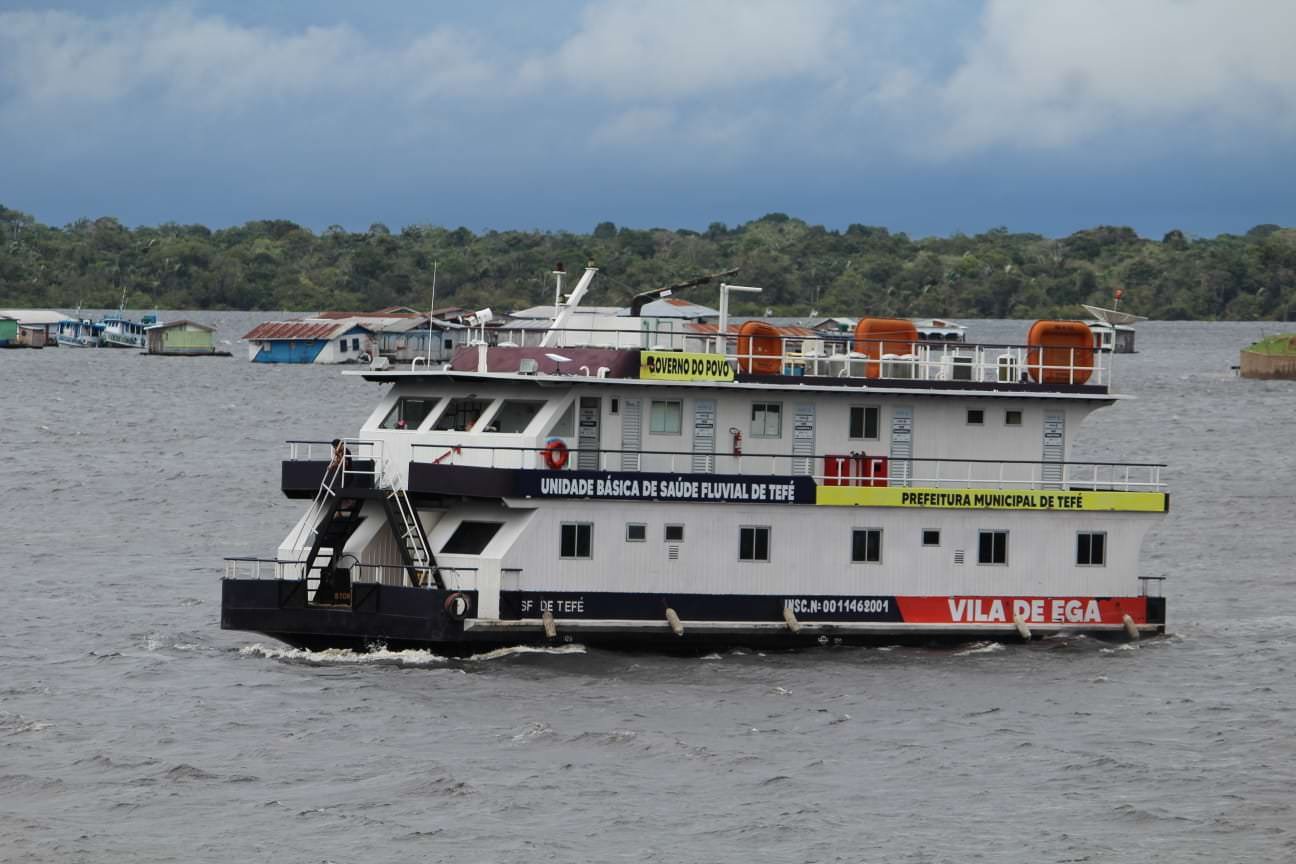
(839, 355)
(825, 469)
(293, 570)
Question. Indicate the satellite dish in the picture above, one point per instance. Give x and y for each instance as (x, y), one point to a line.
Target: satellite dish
(558, 358)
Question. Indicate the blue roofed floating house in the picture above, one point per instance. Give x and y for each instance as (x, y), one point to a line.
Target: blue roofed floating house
(310, 341)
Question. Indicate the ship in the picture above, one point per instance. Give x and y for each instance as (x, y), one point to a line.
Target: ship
(629, 490)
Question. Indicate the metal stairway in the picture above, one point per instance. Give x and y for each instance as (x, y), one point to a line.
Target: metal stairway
(411, 538)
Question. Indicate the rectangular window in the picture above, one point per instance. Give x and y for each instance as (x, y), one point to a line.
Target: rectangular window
(1012, 418)
(355, 344)
(993, 547)
(753, 543)
(866, 546)
(931, 537)
(975, 417)
(767, 420)
(408, 413)
(1091, 549)
(515, 415)
(470, 538)
(636, 532)
(615, 406)
(342, 346)
(460, 415)
(864, 421)
(674, 533)
(576, 540)
(667, 418)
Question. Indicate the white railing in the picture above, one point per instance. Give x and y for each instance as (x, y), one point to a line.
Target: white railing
(845, 469)
(289, 570)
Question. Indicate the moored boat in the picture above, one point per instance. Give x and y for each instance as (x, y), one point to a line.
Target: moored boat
(122, 332)
(608, 493)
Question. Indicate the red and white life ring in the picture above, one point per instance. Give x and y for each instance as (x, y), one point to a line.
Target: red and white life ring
(555, 453)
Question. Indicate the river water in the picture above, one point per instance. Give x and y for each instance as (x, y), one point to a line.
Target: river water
(132, 729)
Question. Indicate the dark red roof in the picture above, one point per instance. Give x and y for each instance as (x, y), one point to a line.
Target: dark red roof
(293, 330)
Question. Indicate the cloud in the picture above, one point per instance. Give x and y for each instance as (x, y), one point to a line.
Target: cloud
(1052, 75)
(673, 49)
(56, 60)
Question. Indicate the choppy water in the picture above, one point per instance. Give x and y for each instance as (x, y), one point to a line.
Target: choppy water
(133, 730)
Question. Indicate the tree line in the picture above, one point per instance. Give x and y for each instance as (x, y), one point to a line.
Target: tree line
(803, 268)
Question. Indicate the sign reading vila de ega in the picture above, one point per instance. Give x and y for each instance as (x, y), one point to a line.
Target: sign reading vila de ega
(990, 499)
(681, 366)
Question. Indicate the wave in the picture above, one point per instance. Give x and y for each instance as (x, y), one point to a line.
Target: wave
(981, 648)
(416, 657)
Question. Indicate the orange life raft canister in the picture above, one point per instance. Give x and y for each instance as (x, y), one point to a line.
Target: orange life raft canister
(1061, 352)
(877, 336)
(760, 348)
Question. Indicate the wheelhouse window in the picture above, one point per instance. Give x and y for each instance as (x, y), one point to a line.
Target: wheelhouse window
(866, 546)
(460, 415)
(515, 415)
(674, 534)
(566, 425)
(1091, 548)
(930, 537)
(992, 547)
(636, 532)
(408, 412)
(667, 417)
(864, 421)
(753, 543)
(975, 417)
(576, 540)
(471, 538)
(1012, 418)
(767, 420)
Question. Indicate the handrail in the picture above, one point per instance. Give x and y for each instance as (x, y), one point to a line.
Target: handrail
(281, 566)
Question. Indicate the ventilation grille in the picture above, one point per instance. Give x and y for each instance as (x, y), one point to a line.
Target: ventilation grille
(672, 552)
(958, 556)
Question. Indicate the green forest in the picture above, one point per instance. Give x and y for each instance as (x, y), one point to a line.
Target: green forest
(803, 268)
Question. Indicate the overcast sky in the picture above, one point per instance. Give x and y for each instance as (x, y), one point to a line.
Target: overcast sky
(926, 116)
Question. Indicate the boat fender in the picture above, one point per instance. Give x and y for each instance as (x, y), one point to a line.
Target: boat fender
(1131, 629)
(550, 628)
(789, 617)
(456, 606)
(676, 625)
(1022, 630)
(555, 453)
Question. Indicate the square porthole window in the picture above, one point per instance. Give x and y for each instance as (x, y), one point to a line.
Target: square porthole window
(767, 420)
(864, 421)
(753, 543)
(666, 417)
(674, 533)
(1091, 549)
(975, 417)
(636, 532)
(576, 540)
(930, 537)
(992, 547)
(1012, 418)
(866, 546)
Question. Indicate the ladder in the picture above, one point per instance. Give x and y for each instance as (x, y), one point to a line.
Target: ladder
(310, 526)
(412, 539)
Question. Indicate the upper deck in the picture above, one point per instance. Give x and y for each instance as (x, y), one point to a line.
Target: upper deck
(807, 360)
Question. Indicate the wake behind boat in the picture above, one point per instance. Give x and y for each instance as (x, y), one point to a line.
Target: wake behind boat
(636, 488)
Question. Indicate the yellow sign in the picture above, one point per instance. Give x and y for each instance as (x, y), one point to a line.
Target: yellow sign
(679, 366)
(990, 499)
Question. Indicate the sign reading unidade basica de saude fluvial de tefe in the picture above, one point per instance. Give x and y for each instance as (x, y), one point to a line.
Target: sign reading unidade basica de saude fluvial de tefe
(666, 487)
(682, 366)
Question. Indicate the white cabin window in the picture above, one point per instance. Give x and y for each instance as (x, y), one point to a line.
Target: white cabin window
(408, 412)
(754, 543)
(515, 415)
(864, 421)
(566, 425)
(1091, 549)
(576, 540)
(667, 417)
(930, 537)
(1012, 418)
(992, 547)
(767, 420)
(460, 415)
(636, 532)
(674, 534)
(866, 546)
(976, 417)
(471, 538)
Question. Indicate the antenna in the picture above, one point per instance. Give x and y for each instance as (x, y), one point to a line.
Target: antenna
(431, 312)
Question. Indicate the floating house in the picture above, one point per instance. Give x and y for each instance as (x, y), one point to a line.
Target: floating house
(8, 332)
(311, 341)
(37, 328)
(183, 339)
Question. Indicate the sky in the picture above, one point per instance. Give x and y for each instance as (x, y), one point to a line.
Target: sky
(925, 116)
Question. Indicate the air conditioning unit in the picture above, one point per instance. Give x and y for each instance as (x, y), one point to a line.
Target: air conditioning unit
(898, 365)
(958, 367)
(528, 366)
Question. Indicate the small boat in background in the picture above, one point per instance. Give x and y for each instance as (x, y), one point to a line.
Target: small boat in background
(80, 333)
(1113, 330)
(121, 332)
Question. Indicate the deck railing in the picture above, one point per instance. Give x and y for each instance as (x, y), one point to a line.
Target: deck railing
(832, 469)
(838, 355)
(293, 570)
